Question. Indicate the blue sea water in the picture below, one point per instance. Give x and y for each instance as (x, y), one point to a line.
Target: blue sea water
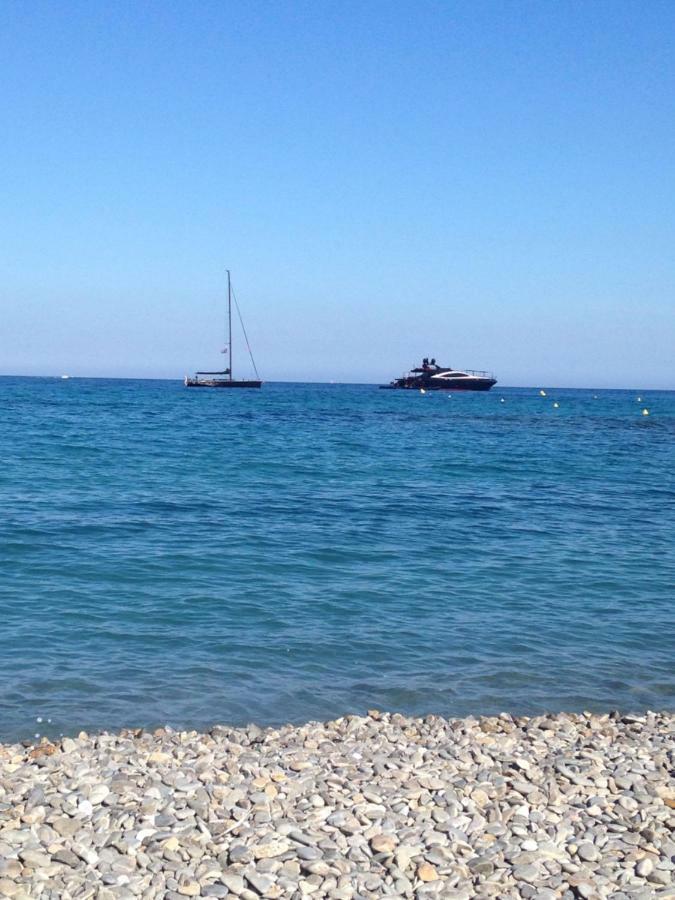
(303, 551)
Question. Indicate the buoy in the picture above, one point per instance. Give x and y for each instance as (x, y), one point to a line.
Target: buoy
(543, 393)
(502, 400)
(595, 396)
(645, 412)
(639, 400)
(422, 391)
(556, 405)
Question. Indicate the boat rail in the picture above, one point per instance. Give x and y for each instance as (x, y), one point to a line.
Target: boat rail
(478, 372)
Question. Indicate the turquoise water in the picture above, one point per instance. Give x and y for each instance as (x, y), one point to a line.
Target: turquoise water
(187, 557)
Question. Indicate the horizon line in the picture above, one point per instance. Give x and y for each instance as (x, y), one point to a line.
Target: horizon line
(535, 386)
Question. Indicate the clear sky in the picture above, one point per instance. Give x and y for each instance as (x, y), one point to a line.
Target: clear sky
(492, 184)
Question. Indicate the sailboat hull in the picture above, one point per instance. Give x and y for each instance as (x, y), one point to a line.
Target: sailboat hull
(225, 379)
(221, 383)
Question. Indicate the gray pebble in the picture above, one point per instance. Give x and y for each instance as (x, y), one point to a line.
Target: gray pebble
(547, 807)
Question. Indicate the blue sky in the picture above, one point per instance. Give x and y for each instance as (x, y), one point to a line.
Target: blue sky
(489, 183)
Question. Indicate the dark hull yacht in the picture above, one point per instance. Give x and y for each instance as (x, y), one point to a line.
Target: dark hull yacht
(432, 377)
(225, 378)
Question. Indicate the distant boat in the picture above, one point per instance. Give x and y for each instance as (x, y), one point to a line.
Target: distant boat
(65, 376)
(432, 377)
(225, 379)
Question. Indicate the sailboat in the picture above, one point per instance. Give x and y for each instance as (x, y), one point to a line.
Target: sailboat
(225, 379)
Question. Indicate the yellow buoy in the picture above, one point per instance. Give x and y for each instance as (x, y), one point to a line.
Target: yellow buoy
(645, 412)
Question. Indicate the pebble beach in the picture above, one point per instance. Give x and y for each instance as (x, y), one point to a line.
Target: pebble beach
(557, 806)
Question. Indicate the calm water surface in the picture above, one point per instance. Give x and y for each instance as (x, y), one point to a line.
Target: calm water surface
(307, 550)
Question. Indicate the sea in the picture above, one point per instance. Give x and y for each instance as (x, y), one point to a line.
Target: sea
(305, 551)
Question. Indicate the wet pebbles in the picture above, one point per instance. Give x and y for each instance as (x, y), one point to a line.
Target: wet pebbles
(558, 806)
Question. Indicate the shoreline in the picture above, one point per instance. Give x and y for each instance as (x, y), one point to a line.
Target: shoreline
(543, 807)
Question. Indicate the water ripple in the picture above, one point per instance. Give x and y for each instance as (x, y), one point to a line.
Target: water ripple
(306, 550)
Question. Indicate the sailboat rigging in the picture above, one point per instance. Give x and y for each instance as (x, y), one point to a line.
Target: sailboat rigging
(225, 378)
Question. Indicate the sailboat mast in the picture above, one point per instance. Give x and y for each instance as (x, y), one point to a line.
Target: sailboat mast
(229, 321)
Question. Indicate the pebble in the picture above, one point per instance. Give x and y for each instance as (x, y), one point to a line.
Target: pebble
(66, 857)
(34, 858)
(527, 873)
(403, 856)
(587, 852)
(260, 883)
(271, 848)
(98, 793)
(426, 872)
(383, 843)
(548, 808)
(644, 867)
(233, 882)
